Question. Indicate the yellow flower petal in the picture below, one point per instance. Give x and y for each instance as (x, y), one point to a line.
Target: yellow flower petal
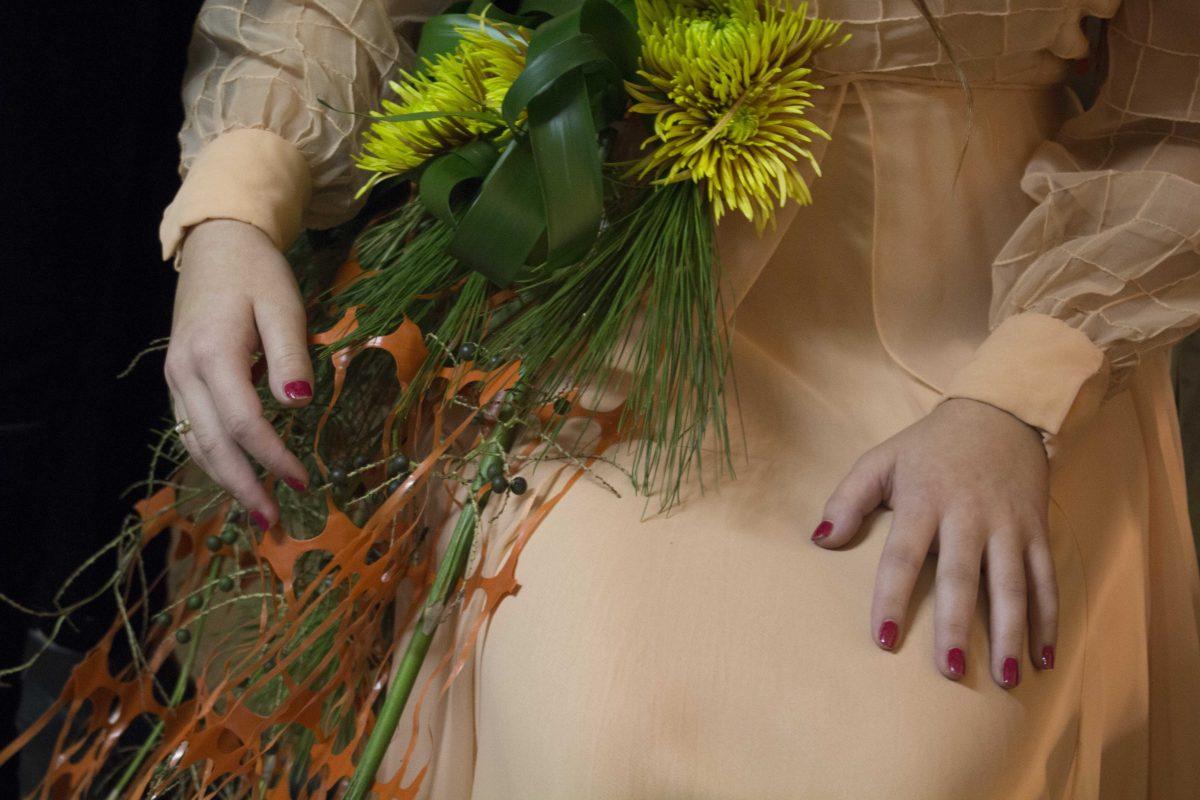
(475, 77)
(726, 82)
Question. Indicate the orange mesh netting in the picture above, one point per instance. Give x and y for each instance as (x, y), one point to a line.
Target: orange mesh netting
(286, 664)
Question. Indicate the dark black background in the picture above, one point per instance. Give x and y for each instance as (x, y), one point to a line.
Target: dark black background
(89, 111)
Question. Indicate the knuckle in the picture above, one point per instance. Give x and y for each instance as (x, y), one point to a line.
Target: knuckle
(967, 512)
(958, 576)
(867, 464)
(241, 492)
(205, 351)
(1047, 603)
(1011, 533)
(1048, 590)
(1047, 618)
(841, 501)
(1010, 587)
(206, 443)
(903, 557)
(955, 627)
(862, 463)
(241, 425)
(173, 364)
(1038, 532)
(843, 498)
(292, 352)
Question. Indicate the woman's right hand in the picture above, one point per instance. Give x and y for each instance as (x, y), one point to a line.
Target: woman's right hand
(237, 296)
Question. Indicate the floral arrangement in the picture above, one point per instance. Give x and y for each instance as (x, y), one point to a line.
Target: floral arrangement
(506, 263)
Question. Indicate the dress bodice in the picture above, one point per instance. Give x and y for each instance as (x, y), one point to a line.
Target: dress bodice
(995, 41)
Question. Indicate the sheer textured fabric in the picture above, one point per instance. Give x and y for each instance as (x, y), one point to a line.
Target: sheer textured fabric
(1112, 248)
(270, 64)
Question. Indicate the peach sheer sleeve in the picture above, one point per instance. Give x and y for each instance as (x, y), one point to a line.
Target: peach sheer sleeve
(1107, 266)
(257, 145)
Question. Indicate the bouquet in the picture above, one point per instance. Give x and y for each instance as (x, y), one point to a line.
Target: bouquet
(544, 190)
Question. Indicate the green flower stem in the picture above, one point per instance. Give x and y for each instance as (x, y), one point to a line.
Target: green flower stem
(177, 693)
(449, 572)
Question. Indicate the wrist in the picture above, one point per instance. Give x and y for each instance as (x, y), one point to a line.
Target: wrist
(970, 408)
(231, 239)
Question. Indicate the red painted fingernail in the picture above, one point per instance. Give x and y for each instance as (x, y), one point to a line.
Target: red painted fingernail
(297, 390)
(888, 632)
(1012, 672)
(956, 663)
(1048, 657)
(259, 520)
(823, 530)
(295, 485)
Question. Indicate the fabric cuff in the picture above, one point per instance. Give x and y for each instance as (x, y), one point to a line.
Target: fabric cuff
(248, 174)
(1039, 369)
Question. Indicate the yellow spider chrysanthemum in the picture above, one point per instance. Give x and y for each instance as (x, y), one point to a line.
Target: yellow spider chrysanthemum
(727, 83)
(474, 78)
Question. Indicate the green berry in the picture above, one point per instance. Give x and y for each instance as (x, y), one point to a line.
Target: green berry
(225, 584)
(213, 543)
(183, 636)
(194, 602)
(466, 351)
(229, 535)
(518, 486)
(361, 462)
(161, 618)
(337, 476)
(499, 485)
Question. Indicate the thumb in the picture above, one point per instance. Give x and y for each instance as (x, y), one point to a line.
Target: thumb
(282, 327)
(862, 491)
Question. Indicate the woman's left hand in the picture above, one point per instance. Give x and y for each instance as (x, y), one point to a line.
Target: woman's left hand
(969, 482)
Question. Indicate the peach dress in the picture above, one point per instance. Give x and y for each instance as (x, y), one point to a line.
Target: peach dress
(714, 652)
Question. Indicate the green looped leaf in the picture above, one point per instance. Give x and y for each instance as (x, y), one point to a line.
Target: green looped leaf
(440, 36)
(547, 184)
(553, 8)
(542, 72)
(442, 177)
(567, 156)
(503, 225)
(614, 32)
(628, 8)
